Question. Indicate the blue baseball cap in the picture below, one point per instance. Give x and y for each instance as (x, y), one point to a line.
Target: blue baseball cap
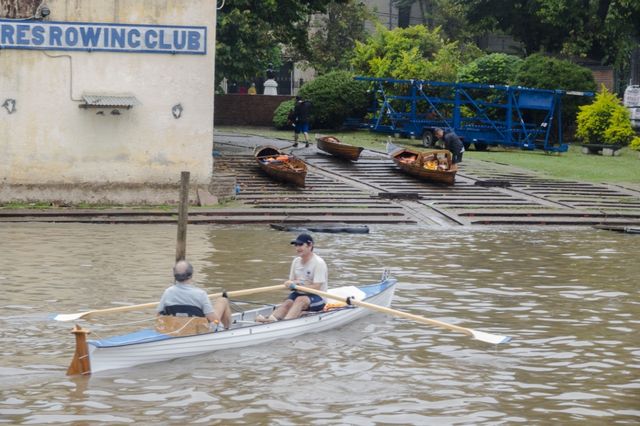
(303, 239)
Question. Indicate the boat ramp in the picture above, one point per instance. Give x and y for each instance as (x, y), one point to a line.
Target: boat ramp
(373, 191)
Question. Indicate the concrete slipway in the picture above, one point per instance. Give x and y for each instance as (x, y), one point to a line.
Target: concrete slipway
(373, 191)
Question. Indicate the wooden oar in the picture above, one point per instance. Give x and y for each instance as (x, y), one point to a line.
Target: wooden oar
(236, 293)
(480, 335)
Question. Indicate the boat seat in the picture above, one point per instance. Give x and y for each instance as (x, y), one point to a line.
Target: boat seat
(183, 311)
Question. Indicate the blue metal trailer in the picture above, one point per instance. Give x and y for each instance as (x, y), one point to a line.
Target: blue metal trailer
(481, 114)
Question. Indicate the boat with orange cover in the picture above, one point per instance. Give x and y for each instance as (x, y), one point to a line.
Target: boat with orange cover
(433, 165)
(280, 165)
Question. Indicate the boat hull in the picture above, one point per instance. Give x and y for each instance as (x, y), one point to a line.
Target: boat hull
(322, 227)
(341, 150)
(294, 171)
(416, 169)
(109, 355)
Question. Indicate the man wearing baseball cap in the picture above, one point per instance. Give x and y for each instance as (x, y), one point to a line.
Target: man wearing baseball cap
(309, 270)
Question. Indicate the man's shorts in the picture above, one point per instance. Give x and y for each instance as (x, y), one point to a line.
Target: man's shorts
(316, 304)
(302, 127)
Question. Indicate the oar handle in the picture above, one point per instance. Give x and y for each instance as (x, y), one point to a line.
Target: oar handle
(386, 310)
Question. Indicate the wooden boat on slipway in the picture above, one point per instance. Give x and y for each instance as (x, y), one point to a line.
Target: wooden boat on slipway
(281, 166)
(333, 146)
(433, 165)
(149, 346)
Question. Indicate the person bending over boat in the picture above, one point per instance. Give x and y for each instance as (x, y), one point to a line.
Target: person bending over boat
(307, 269)
(184, 300)
(452, 143)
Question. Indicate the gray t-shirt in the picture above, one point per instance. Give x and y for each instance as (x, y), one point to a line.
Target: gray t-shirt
(185, 294)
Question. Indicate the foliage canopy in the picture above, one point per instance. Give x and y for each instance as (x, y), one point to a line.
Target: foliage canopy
(602, 30)
(252, 33)
(544, 72)
(332, 42)
(496, 68)
(413, 52)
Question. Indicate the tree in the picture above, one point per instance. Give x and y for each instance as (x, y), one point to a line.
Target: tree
(544, 72)
(332, 43)
(413, 52)
(252, 33)
(603, 30)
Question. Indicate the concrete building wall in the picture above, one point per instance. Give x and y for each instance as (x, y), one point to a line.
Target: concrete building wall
(48, 140)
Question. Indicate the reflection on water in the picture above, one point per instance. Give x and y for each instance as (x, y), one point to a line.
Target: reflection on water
(568, 297)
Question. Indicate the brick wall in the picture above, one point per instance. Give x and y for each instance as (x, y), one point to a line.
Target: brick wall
(246, 110)
(603, 75)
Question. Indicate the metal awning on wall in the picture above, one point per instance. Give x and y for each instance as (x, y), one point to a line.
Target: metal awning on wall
(109, 101)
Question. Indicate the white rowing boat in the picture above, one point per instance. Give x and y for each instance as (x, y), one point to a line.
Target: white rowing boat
(148, 346)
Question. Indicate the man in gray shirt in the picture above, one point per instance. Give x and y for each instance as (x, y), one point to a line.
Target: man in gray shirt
(185, 299)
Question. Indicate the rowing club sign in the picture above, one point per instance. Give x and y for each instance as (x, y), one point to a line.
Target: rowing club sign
(89, 37)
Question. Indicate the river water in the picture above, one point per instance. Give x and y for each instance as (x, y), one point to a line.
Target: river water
(568, 297)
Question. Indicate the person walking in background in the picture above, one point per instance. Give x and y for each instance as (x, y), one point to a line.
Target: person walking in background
(301, 113)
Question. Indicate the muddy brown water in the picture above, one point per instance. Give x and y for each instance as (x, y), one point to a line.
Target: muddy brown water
(569, 298)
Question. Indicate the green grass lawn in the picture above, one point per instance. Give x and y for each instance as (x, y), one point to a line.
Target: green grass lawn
(570, 165)
(573, 164)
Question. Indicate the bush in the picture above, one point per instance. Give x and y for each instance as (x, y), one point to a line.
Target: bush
(281, 114)
(635, 143)
(606, 120)
(496, 68)
(542, 72)
(619, 131)
(335, 96)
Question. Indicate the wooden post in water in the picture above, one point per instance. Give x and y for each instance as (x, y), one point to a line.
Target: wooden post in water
(183, 211)
(80, 363)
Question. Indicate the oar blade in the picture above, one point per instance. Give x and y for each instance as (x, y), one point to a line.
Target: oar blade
(69, 317)
(495, 339)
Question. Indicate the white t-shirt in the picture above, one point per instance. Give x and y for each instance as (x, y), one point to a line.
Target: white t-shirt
(314, 271)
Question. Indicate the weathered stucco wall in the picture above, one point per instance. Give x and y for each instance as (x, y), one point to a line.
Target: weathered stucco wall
(49, 140)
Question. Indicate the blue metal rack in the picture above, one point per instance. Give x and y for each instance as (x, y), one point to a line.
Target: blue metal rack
(482, 114)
